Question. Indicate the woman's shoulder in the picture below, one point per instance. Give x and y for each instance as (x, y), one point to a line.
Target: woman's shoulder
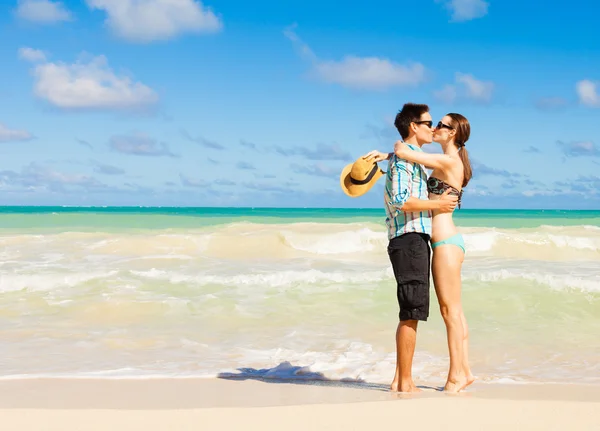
(456, 166)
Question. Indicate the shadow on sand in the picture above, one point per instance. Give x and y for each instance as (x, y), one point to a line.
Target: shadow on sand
(286, 373)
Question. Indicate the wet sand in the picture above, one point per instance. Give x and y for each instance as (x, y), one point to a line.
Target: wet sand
(219, 404)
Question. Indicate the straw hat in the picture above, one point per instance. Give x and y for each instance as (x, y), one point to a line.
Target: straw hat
(357, 178)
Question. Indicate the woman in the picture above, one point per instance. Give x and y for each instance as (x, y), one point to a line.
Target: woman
(451, 170)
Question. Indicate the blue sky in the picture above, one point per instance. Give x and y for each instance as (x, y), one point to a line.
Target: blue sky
(229, 103)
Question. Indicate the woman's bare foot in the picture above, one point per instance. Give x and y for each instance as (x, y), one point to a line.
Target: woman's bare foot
(470, 379)
(456, 385)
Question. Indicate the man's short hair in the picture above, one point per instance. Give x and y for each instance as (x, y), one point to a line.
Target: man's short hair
(410, 112)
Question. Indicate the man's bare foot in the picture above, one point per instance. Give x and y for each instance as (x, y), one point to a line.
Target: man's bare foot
(397, 386)
(455, 385)
(412, 388)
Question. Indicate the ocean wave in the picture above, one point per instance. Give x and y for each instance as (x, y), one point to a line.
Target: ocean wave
(480, 241)
(351, 241)
(555, 281)
(348, 362)
(274, 278)
(553, 276)
(552, 244)
(133, 244)
(49, 281)
(576, 227)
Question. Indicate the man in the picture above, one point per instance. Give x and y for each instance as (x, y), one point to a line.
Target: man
(408, 219)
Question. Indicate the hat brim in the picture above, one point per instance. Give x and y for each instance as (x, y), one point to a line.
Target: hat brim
(356, 190)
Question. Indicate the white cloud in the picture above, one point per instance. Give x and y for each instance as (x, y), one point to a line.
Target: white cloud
(447, 94)
(150, 20)
(9, 135)
(140, 144)
(588, 93)
(43, 11)
(89, 85)
(479, 190)
(303, 48)
(369, 72)
(476, 90)
(321, 152)
(317, 169)
(551, 103)
(579, 149)
(466, 10)
(359, 72)
(38, 177)
(466, 87)
(30, 54)
(193, 182)
(531, 193)
(105, 169)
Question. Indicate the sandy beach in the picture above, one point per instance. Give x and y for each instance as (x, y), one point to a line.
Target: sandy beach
(217, 404)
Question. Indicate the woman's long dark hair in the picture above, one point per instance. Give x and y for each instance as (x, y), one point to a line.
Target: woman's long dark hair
(463, 131)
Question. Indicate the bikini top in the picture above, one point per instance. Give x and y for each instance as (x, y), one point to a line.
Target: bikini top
(438, 187)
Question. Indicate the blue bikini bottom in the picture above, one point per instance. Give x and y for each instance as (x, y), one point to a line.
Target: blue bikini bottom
(456, 240)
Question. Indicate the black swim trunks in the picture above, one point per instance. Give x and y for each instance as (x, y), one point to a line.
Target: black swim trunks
(411, 258)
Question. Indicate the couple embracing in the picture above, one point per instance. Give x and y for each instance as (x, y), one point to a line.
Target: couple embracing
(419, 213)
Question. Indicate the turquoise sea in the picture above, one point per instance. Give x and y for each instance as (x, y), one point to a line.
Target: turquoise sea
(157, 217)
(285, 293)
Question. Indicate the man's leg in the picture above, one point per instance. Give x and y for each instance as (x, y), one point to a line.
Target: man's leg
(406, 339)
(410, 257)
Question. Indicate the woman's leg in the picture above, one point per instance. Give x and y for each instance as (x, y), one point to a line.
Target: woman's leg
(466, 367)
(446, 267)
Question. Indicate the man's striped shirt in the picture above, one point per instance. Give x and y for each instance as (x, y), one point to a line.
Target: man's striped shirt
(403, 180)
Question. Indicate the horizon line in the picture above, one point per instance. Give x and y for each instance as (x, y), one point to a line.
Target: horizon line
(273, 207)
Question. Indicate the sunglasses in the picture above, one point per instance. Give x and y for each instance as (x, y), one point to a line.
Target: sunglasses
(441, 125)
(429, 123)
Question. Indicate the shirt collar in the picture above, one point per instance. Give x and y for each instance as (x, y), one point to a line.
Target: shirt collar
(415, 147)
